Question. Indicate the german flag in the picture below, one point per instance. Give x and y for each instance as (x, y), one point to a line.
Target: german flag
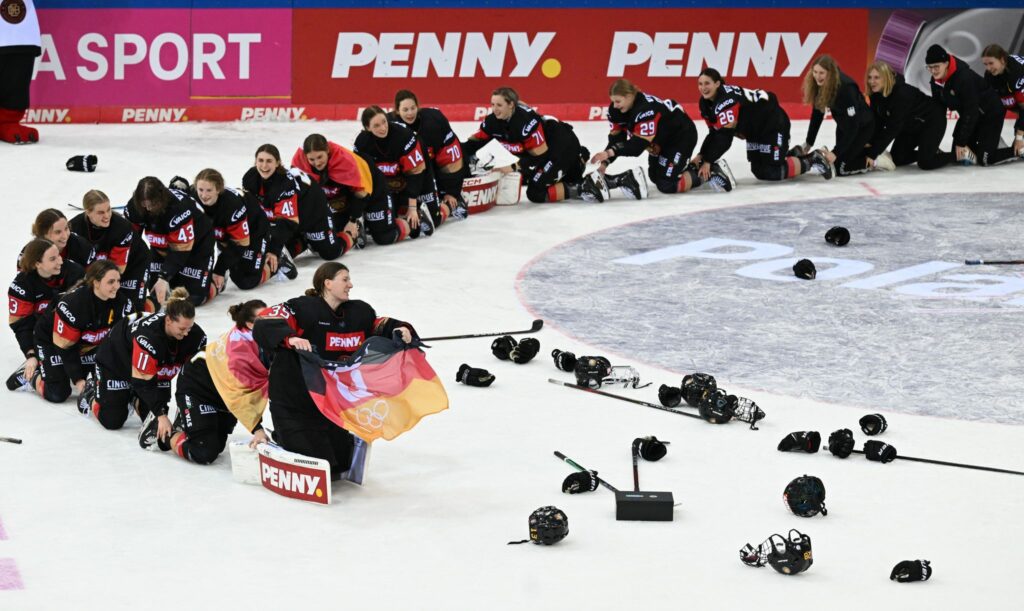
(382, 391)
(343, 167)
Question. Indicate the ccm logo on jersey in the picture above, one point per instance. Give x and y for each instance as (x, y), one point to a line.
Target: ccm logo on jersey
(344, 341)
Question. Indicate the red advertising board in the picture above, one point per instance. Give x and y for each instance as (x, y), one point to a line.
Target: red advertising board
(361, 56)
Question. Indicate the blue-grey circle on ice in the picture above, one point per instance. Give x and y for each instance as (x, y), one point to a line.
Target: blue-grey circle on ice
(894, 321)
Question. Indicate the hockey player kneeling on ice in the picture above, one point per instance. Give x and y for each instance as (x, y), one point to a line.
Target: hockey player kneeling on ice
(550, 156)
(976, 136)
(905, 117)
(42, 277)
(827, 89)
(181, 237)
(327, 322)
(1005, 74)
(112, 237)
(755, 116)
(441, 147)
(242, 233)
(137, 362)
(356, 191)
(71, 328)
(397, 153)
(224, 384)
(297, 209)
(642, 122)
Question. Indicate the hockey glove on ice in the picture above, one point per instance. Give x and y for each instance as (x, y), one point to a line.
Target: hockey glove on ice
(178, 183)
(524, 351)
(840, 443)
(652, 449)
(564, 361)
(82, 163)
(471, 376)
(801, 441)
(670, 396)
(502, 347)
(879, 451)
(873, 424)
(581, 481)
(911, 570)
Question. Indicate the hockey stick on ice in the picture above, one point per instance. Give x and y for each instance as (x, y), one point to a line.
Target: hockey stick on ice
(537, 324)
(115, 208)
(10, 439)
(952, 464)
(987, 262)
(580, 467)
(621, 398)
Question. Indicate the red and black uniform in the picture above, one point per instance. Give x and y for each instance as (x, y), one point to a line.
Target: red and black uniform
(181, 238)
(297, 210)
(396, 155)
(526, 131)
(68, 334)
(981, 111)
(344, 170)
(913, 123)
(855, 126)
(134, 349)
(1009, 86)
(755, 116)
(30, 295)
(77, 249)
(441, 147)
(674, 137)
(242, 234)
(122, 245)
(334, 334)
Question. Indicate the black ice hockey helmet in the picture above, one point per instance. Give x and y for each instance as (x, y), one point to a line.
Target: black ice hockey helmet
(805, 496)
(838, 236)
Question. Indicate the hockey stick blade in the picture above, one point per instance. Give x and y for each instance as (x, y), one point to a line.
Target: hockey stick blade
(10, 439)
(537, 324)
(952, 464)
(621, 398)
(986, 262)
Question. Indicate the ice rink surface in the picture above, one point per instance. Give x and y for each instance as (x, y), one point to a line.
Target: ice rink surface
(90, 521)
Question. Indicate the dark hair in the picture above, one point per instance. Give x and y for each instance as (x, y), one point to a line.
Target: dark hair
(178, 305)
(712, 74)
(403, 95)
(315, 142)
(33, 253)
(213, 177)
(369, 113)
(996, 51)
(623, 87)
(271, 150)
(150, 189)
(45, 221)
(325, 272)
(508, 93)
(97, 270)
(242, 313)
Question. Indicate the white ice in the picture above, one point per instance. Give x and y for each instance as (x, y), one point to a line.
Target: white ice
(93, 522)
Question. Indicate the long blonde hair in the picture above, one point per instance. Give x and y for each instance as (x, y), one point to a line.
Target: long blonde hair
(888, 77)
(822, 97)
